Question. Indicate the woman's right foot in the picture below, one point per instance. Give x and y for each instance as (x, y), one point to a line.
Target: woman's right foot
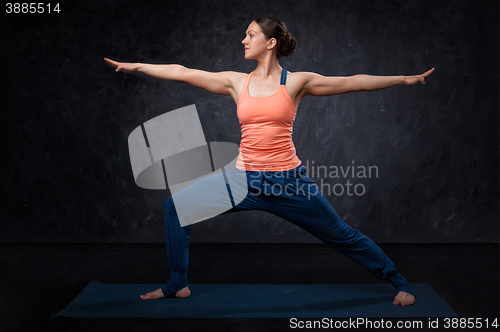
(158, 294)
(404, 299)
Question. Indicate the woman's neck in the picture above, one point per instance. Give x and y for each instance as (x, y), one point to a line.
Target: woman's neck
(266, 67)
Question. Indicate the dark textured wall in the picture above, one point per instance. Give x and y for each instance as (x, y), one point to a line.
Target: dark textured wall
(66, 115)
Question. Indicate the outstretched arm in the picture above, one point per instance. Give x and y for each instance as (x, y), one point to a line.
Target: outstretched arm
(219, 83)
(318, 85)
(369, 83)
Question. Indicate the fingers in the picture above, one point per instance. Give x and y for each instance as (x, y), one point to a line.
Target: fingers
(111, 62)
(428, 72)
(119, 66)
(417, 78)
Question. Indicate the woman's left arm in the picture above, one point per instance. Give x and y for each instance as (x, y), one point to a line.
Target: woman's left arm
(318, 85)
(364, 82)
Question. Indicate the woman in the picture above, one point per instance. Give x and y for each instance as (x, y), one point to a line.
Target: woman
(267, 154)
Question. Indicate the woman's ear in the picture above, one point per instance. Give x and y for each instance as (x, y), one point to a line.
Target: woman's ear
(272, 43)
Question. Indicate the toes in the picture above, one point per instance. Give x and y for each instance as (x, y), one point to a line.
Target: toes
(146, 296)
(404, 302)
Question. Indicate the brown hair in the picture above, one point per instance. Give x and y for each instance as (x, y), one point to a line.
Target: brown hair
(273, 27)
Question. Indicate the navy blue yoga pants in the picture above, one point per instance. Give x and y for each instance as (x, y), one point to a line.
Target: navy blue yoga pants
(289, 194)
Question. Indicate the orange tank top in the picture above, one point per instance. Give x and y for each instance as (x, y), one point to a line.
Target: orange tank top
(266, 130)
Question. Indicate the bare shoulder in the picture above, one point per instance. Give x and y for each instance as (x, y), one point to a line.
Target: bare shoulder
(298, 80)
(296, 83)
(302, 76)
(237, 81)
(222, 82)
(236, 77)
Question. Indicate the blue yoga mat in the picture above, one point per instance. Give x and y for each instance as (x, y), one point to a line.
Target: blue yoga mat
(99, 300)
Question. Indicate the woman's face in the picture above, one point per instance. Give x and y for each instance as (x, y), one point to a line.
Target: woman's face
(255, 42)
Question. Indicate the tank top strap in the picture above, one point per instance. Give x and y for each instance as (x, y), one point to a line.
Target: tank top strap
(283, 77)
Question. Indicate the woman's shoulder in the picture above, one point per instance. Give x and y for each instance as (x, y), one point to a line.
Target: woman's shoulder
(297, 79)
(301, 78)
(300, 74)
(237, 74)
(237, 78)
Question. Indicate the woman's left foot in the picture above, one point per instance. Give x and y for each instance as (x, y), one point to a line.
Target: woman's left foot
(404, 299)
(158, 294)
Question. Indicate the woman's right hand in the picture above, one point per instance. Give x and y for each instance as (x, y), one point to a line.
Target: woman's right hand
(123, 66)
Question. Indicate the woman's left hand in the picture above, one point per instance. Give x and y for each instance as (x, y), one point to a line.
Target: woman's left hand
(410, 80)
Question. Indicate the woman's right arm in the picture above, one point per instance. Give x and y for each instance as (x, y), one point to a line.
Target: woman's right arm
(219, 82)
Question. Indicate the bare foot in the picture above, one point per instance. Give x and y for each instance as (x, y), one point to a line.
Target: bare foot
(158, 294)
(404, 299)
